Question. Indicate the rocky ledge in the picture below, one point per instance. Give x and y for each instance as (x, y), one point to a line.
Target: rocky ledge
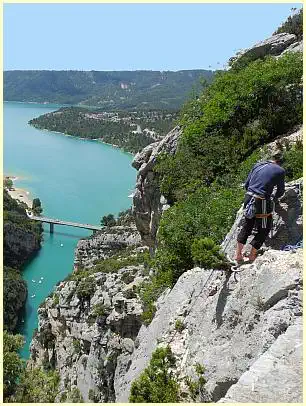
(105, 243)
(229, 322)
(276, 46)
(148, 204)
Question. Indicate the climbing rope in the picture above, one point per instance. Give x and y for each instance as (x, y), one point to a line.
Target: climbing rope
(292, 247)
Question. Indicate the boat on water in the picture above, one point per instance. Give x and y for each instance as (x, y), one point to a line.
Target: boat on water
(131, 195)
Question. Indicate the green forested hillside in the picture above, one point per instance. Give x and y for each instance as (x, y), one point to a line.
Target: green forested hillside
(131, 131)
(141, 90)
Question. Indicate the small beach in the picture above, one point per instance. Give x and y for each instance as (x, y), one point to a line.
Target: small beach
(20, 194)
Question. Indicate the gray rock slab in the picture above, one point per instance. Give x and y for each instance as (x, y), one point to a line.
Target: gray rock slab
(277, 376)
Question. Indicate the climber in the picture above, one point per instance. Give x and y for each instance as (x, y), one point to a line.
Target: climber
(258, 203)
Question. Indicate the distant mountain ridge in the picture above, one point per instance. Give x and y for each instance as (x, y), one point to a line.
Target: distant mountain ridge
(109, 90)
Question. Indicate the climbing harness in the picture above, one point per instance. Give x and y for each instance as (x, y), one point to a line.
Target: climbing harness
(263, 216)
(250, 209)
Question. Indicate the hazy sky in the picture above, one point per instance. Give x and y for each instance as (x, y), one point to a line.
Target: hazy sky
(134, 36)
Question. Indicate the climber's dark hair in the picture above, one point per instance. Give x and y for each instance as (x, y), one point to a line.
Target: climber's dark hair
(278, 157)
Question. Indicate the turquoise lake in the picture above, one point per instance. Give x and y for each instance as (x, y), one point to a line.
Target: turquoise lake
(76, 180)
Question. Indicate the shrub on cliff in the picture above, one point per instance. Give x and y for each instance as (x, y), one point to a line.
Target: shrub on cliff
(209, 212)
(36, 207)
(294, 161)
(86, 289)
(8, 183)
(206, 253)
(108, 221)
(37, 386)
(12, 364)
(240, 111)
(293, 25)
(157, 384)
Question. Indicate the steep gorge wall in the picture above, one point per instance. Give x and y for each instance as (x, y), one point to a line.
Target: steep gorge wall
(227, 317)
(230, 321)
(148, 203)
(233, 323)
(19, 244)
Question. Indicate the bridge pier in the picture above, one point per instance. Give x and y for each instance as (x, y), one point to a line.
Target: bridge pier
(51, 228)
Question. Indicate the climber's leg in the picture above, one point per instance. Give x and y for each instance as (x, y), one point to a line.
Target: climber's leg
(239, 256)
(245, 232)
(263, 228)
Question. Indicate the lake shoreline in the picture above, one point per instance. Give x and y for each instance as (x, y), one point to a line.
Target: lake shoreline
(19, 194)
(85, 139)
(75, 180)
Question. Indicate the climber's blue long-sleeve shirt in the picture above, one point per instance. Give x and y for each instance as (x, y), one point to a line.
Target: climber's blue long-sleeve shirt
(263, 177)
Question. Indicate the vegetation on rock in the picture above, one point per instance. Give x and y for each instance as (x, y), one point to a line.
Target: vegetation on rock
(293, 161)
(293, 25)
(125, 217)
(12, 364)
(37, 386)
(224, 132)
(36, 207)
(21, 384)
(157, 384)
(108, 221)
(17, 223)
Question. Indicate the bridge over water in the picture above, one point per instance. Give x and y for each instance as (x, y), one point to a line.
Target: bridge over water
(64, 223)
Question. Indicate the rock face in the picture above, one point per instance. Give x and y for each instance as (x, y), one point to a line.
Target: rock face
(274, 46)
(82, 339)
(228, 325)
(82, 332)
(276, 375)
(105, 243)
(295, 47)
(18, 245)
(148, 204)
(289, 139)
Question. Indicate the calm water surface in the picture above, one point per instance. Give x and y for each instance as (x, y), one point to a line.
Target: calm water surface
(76, 180)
